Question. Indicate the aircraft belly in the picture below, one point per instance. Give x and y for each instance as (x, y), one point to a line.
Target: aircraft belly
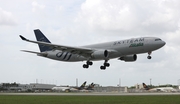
(114, 55)
(126, 50)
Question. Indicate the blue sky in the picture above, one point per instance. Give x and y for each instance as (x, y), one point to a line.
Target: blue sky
(83, 22)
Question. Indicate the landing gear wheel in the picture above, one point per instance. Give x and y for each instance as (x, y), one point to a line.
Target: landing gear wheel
(102, 67)
(149, 57)
(89, 63)
(106, 64)
(85, 66)
(149, 53)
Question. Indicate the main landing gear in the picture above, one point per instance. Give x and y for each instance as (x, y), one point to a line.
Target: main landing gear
(149, 57)
(103, 67)
(106, 64)
(87, 64)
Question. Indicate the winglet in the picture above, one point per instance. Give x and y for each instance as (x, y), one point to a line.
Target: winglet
(23, 38)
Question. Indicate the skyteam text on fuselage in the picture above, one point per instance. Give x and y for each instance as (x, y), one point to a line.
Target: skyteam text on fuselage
(122, 49)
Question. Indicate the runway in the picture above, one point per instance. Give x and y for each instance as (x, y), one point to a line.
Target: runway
(89, 94)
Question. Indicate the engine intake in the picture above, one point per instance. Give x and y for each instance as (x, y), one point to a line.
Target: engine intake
(102, 54)
(129, 58)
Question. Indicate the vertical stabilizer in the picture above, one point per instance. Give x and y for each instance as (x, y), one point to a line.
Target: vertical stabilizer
(91, 86)
(145, 86)
(83, 85)
(41, 37)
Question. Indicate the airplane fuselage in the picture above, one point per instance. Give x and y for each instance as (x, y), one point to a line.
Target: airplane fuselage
(115, 48)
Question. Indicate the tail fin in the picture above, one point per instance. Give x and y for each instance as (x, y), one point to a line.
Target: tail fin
(91, 86)
(41, 37)
(145, 86)
(83, 85)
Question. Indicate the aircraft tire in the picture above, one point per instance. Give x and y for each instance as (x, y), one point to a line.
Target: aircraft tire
(89, 63)
(106, 64)
(149, 57)
(85, 66)
(103, 67)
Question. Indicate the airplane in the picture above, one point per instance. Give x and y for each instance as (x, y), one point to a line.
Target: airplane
(124, 50)
(159, 89)
(90, 87)
(69, 89)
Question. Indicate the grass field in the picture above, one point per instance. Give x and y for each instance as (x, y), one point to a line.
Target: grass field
(166, 99)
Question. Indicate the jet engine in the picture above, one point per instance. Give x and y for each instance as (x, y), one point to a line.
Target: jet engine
(129, 58)
(101, 54)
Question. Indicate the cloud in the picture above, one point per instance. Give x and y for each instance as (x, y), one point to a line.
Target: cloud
(161, 18)
(173, 37)
(107, 15)
(130, 17)
(7, 18)
(36, 6)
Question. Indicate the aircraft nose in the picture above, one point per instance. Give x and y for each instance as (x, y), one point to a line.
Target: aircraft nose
(163, 43)
(160, 44)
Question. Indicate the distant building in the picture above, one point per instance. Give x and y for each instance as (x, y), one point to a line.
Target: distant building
(37, 86)
(138, 86)
(25, 87)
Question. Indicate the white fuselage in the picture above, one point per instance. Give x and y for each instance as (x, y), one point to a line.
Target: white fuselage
(164, 89)
(63, 88)
(116, 49)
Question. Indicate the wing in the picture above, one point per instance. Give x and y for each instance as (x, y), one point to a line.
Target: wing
(76, 50)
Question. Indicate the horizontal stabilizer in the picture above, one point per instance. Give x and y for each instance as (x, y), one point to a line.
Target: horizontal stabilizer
(23, 38)
(38, 53)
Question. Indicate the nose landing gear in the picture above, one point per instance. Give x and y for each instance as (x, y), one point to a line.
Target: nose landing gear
(149, 57)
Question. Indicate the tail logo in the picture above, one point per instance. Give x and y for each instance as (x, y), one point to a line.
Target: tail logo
(42, 40)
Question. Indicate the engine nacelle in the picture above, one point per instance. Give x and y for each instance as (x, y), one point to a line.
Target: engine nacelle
(129, 58)
(101, 54)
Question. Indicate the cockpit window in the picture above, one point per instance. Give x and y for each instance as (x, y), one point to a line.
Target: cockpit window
(157, 39)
